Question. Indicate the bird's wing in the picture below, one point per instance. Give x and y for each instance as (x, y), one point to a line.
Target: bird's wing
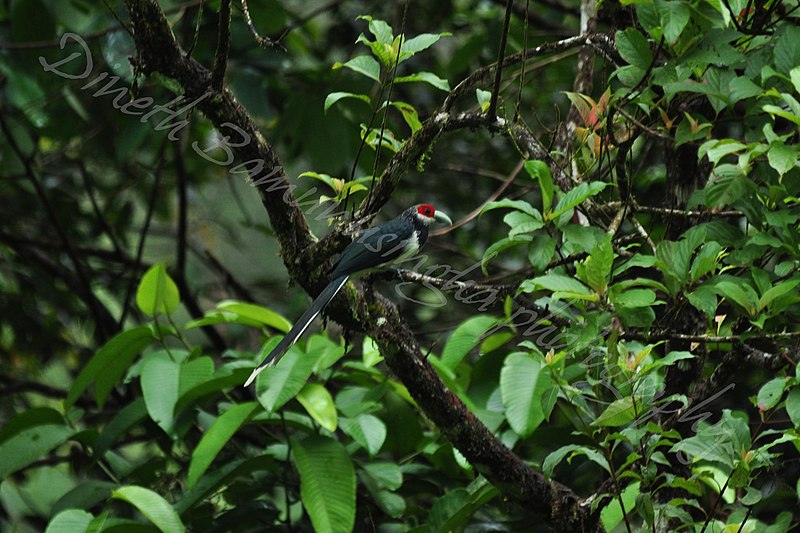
(376, 246)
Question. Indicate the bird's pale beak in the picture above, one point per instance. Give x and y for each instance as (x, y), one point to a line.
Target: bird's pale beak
(442, 217)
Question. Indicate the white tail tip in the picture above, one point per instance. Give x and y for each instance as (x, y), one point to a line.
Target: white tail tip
(255, 373)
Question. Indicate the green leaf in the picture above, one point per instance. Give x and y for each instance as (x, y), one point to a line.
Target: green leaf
(216, 438)
(523, 383)
(327, 483)
(256, 312)
(780, 112)
(782, 157)
(69, 521)
(280, 383)
(335, 97)
(741, 88)
(420, 42)
(465, 337)
(409, 115)
(152, 506)
(619, 413)
(703, 299)
(160, 380)
(634, 298)
(770, 393)
(365, 65)
(319, 404)
(775, 292)
(787, 49)
(380, 29)
(425, 77)
(518, 205)
(108, 365)
(595, 270)
(562, 287)
(740, 293)
(705, 261)
(541, 250)
(521, 223)
(157, 293)
(539, 171)
(554, 458)
(674, 17)
(634, 49)
(367, 430)
(575, 197)
(793, 406)
(28, 437)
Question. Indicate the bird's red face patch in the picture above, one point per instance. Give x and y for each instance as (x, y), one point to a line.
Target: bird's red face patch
(426, 210)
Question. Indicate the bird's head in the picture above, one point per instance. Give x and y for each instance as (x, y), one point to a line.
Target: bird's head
(426, 214)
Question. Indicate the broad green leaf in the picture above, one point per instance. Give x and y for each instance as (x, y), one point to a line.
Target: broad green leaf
(782, 157)
(523, 383)
(425, 77)
(633, 48)
(771, 393)
(780, 112)
(555, 457)
(775, 292)
(465, 337)
(787, 49)
(705, 261)
(521, 223)
(69, 521)
(619, 413)
(157, 293)
(256, 312)
(318, 402)
(335, 97)
(29, 443)
(380, 29)
(612, 514)
(409, 115)
(742, 88)
(562, 287)
(420, 42)
(575, 197)
(541, 250)
(327, 483)
(280, 383)
(109, 363)
(740, 293)
(365, 65)
(793, 406)
(539, 171)
(152, 506)
(519, 205)
(634, 298)
(595, 270)
(160, 380)
(674, 17)
(216, 438)
(716, 149)
(367, 430)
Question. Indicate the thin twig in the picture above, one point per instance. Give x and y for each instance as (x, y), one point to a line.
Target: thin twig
(491, 113)
(262, 41)
(223, 43)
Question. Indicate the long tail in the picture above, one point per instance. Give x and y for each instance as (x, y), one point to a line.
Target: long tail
(300, 326)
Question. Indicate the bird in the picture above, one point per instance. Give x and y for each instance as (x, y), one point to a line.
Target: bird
(390, 242)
